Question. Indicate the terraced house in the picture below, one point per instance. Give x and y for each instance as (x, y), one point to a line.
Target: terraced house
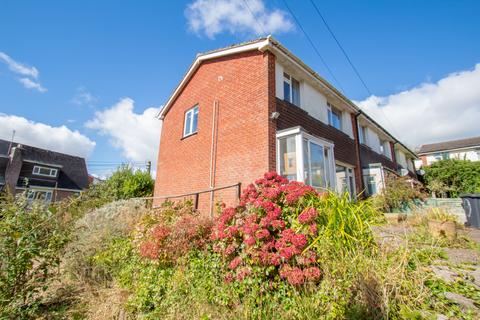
(45, 175)
(255, 107)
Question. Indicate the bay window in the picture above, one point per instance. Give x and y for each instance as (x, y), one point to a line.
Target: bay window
(305, 158)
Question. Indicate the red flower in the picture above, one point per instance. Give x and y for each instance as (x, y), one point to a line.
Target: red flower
(235, 263)
(278, 224)
(249, 241)
(263, 233)
(313, 228)
(312, 273)
(299, 240)
(307, 216)
(149, 250)
(244, 272)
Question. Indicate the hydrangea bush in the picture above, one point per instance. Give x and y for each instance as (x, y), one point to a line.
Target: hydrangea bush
(269, 232)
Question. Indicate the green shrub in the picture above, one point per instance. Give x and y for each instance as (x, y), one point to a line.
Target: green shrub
(126, 183)
(452, 177)
(31, 243)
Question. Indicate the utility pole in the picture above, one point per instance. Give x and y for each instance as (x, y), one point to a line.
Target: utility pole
(149, 166)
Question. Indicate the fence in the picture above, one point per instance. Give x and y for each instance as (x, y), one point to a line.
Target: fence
(151, 201)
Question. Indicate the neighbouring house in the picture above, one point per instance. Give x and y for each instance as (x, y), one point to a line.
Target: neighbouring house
(44, 174)
(462, 149)
(255, 107)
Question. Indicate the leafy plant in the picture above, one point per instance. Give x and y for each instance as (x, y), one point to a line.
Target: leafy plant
(439, 214)
(126, 183)
(399, 193)
(31, 243)
(455, 176)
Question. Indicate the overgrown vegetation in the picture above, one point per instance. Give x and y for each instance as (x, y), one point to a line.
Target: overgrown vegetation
(452, 177)
(285, 252)
(399, 194)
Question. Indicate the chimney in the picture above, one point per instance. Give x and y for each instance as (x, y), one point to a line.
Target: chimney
(13, 168)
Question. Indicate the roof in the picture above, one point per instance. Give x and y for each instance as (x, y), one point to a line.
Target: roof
(450, 145)
(73, 169)
(264, 44)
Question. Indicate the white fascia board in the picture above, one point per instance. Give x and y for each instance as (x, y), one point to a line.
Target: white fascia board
(470, 148)
(221, 53)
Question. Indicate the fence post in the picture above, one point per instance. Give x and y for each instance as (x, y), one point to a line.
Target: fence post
(196, 200)
(239, 190)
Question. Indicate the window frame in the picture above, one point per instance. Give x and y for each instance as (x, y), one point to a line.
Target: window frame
(31, 194)
(329, 168)
(362, 134)
(331, 110)
(290, 80)
(193, 111)
(37, 173)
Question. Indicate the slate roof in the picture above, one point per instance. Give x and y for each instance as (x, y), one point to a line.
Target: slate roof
(73, 172)
(449, 145)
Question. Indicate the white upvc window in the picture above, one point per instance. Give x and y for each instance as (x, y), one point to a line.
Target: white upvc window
(362, 134)
(334, 117)
(191, 122)
(37, 194)
(291, 89)
(305, 158)
(45, 171)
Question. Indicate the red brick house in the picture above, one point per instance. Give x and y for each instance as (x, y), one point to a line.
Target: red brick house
(255, 107)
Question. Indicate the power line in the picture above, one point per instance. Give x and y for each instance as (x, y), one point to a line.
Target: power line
(254, 18)
(341, 47)
(350, 61)
(313, 46)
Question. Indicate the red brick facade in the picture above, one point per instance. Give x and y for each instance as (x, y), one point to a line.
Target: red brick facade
(241, 86)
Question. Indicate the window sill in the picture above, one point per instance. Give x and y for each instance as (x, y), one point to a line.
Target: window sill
(189, 135)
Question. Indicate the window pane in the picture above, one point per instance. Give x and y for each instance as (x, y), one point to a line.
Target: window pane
(188, 121)
(336, 120)
(295, 92)
(306, 162)
(326, 151)
(341, 176)
(195, 120)
(288, 160)
(286, 91)
(317, 165)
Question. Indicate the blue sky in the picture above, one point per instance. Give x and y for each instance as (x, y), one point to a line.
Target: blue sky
(92, 54)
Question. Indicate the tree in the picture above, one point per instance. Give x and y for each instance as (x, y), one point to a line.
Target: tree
(126, 183)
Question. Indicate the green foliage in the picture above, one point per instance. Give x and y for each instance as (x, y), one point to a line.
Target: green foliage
(126, 183)
(31, 243)
(399, 193)
(453, 177)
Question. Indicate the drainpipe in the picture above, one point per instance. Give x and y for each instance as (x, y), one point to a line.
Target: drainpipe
(213, 154)
(357, 146)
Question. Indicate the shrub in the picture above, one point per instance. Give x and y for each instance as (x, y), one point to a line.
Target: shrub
(399, 193)
(278, 227)
(164, 237)
(126, 183)
(31, 243)
(453, 177)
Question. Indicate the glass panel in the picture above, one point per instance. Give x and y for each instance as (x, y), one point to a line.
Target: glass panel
(317, 165)
(336, 119)
(195, 120)
(371, 185)
(341, 176)
(188, 120)
(306, 162)
(328, 183)
(286, 91)
(295, 92)
(288, 160)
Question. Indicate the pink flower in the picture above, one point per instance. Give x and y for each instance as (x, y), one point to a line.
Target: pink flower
(149, 250)
(263, 233)
(228, 278)
(278, 224)
(312, 273)
(307, 216)
(229, 250)
(249, 241)
(235, 263)
(313, 229)
(244, 272)
(299, 240)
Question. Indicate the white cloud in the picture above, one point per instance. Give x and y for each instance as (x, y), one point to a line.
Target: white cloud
(83, 97)
(36, 134)
(136, 134)
(235, 16)
(27, 72)
(431, 112)
(30, 84)
(18, 67)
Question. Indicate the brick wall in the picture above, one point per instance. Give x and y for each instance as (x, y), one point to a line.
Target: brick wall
(369, 156)
(292, 116)
(240, 85)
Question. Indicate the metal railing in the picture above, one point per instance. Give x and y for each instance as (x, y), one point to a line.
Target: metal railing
(197, 194)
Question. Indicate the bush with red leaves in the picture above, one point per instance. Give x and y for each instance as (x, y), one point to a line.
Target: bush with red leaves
(266, 233)
(165, 240)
